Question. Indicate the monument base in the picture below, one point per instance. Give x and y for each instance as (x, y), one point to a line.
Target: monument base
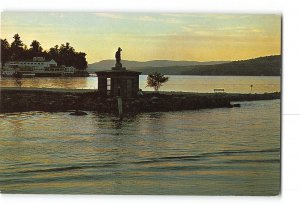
(118, 68)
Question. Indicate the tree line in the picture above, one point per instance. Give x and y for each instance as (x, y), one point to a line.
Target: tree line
(63, 54)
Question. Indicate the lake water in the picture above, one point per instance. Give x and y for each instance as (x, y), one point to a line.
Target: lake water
(205, 152)
(203, 84)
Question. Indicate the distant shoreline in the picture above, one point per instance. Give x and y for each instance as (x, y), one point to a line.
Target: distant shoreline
(260, 66)
(63, 90)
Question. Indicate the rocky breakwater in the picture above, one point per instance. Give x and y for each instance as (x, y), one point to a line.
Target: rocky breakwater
(175, 102)
(51, 101)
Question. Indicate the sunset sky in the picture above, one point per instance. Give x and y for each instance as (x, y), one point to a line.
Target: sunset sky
(143, 36)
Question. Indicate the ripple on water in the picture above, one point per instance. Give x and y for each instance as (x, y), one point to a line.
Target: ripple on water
(213, 151)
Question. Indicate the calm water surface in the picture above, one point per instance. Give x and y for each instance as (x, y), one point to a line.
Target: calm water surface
(203, 84)
(206, 152)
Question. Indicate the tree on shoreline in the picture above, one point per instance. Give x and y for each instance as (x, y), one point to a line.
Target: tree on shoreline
(36, 47)
(5, 51)
(63, 55)
(156, 80)
(16, 47)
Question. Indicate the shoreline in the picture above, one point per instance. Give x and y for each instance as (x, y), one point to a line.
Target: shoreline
(69, 90)
(14, 99)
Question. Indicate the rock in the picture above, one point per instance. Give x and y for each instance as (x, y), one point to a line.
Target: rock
(237, 105)
(154, 99)
(230, 106)
(17, 101)
(109, 100)
(78, 113)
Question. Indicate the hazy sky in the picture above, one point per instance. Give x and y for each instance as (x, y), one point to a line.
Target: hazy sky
(143, 36)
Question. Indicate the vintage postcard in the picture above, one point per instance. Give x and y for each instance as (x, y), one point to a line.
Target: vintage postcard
(140, 103)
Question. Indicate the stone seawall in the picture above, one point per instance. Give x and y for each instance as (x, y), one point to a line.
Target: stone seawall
(51, 101)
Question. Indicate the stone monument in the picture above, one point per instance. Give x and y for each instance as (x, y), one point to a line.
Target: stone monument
(118, 65)
(118, 82)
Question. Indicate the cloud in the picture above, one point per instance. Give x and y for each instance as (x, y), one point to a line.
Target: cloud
(173, 20)
(215, 16)
(58, 15)
(180, 15)
(110, 15)
(233, 31)
(145, 18)
(157, 19)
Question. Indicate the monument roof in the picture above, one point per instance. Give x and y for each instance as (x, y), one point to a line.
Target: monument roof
(117, 72)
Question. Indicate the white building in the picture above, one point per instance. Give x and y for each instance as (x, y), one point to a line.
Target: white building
(38, 63)
(38, 66)
(8, 72)
(69, 70)
(9, 69)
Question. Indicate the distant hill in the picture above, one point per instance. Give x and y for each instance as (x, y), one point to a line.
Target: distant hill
(262, 66)
(168, 66)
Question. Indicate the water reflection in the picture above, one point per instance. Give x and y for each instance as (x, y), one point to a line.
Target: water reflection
(205, 84)
(118, 124)
(53, 82)
(212, 151)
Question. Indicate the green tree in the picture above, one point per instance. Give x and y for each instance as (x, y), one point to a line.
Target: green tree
(35, 50)
(80, 61)
(17, 43)
(156, 80)
(26, 53)
(35, 47)
(16, 47)
(69, 57)
(5, 51)
(63, 55)
(67, 53)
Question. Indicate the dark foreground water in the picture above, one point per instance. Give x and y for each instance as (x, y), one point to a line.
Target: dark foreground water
(207, 152)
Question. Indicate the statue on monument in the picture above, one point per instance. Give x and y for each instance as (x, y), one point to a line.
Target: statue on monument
(118, 58)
